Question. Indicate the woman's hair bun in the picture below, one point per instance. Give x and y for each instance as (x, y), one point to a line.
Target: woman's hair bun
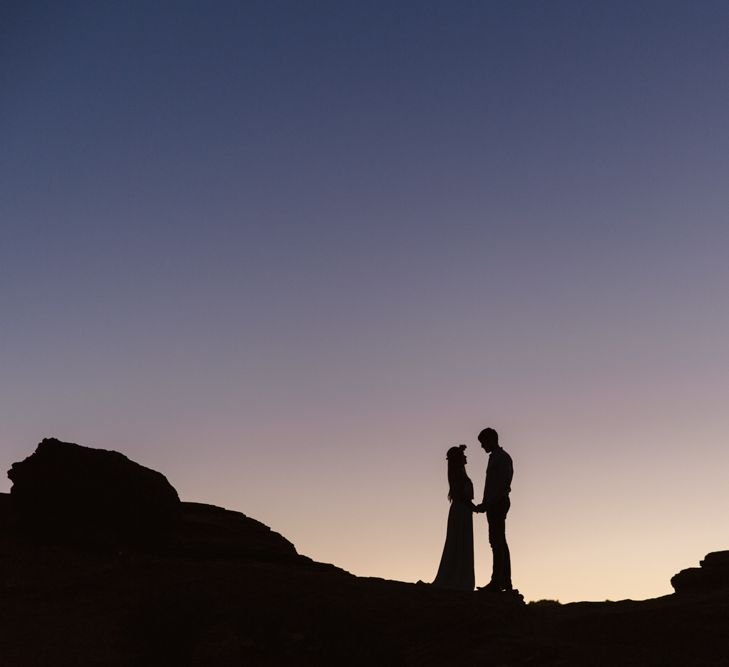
(459, 451)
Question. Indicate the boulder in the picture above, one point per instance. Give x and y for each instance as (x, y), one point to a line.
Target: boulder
(67, 490)
(207, 531)
(713, 575)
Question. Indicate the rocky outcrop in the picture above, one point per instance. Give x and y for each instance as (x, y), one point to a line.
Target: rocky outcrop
(65, 490)
(218, 588)
(713, 575)
(207, 531)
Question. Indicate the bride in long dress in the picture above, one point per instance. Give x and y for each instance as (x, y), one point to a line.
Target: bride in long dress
(456, 564)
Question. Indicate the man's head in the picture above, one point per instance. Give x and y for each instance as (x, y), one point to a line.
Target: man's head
(489, 439)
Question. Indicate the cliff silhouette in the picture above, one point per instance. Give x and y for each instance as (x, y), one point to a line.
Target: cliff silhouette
(101, 563)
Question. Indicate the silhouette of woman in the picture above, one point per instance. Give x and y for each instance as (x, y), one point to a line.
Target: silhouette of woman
(456, 563)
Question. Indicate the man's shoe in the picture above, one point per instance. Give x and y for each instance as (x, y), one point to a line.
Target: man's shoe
(491, 587)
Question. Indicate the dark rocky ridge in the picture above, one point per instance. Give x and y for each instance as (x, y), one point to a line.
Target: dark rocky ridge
(223, 589)
(712, 575)
(81, 493)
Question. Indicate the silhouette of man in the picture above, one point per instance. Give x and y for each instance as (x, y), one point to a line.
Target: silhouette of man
(496, 504)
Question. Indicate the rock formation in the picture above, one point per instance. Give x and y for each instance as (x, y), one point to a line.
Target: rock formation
(65, 490)
(713, 575)
(218, 588)
(207, 531)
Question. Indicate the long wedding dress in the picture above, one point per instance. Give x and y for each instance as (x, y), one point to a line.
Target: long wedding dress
(456, 563)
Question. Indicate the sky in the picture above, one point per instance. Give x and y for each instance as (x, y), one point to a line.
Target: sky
(289, 252)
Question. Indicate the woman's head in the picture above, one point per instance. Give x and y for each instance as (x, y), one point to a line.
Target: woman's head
(456, 455)
(456, 468)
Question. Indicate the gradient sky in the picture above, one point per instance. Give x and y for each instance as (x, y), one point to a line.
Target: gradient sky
(289, 252)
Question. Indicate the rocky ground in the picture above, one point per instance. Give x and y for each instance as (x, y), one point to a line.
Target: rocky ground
(218, 588)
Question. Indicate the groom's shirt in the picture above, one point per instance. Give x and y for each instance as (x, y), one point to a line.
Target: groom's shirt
(499, 473)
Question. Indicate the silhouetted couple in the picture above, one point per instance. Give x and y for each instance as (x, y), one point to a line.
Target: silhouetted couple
(456, 564)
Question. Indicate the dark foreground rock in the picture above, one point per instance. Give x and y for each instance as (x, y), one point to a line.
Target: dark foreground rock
(206, 531)
(65, 490)
(711, 576)
(222, 589)
(66, 607)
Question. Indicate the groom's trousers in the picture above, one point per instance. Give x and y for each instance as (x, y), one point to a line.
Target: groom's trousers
(496, 515)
